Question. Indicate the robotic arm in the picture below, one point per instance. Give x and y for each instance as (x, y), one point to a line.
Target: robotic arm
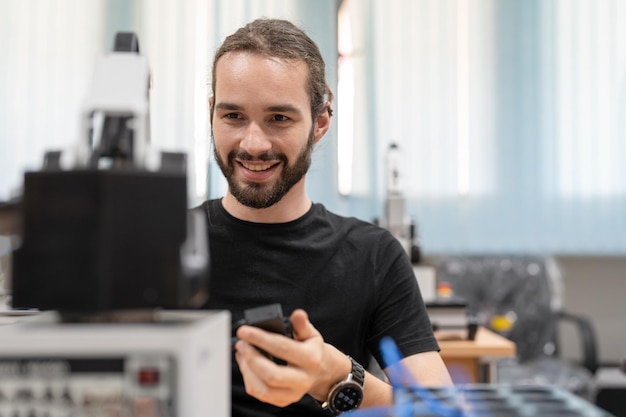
(105, 225)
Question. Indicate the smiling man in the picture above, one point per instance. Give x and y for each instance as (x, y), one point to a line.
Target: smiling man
(345, 283)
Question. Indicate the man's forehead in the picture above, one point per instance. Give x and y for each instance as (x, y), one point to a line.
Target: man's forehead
(242, 53)
(240, 74)
(233, 59)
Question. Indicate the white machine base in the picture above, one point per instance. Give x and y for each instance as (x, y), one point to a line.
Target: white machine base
(176, 366)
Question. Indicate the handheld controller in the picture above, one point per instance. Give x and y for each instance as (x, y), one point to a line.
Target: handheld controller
(270, 318)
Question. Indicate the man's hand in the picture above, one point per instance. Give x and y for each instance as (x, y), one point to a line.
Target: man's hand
(312, 365)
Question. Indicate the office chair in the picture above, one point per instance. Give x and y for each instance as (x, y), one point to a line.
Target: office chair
(520, 298)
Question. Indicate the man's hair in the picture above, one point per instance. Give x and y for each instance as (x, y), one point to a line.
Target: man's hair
(282, 39)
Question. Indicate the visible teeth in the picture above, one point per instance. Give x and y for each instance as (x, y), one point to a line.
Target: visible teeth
(256, 167)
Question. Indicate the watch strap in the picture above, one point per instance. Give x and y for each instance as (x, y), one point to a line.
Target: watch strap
(358, 372)
(357, 375)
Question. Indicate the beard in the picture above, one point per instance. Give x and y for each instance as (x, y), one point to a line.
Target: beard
(260, 196)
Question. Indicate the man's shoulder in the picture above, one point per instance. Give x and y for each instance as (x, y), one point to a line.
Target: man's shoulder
(212, 208)
(349, 224)
(213, 203)
(206, 205)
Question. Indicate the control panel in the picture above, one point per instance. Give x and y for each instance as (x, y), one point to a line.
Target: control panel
(178, 366)
(114, 386)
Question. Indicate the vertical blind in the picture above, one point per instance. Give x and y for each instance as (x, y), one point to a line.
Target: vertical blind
(47, 54)
(510, 117)
(509, 114)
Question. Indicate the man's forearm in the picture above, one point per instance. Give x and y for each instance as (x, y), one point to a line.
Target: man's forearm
(376, 392)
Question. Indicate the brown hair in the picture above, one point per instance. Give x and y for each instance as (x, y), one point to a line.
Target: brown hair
(282, 39)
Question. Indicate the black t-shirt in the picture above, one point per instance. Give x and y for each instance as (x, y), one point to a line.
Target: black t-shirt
(353, 279)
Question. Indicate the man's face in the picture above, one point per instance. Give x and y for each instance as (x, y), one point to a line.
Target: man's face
(263, 132)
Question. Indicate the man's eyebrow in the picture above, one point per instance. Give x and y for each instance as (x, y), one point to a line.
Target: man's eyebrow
(278, 108)
(228, 106)
(283, 108)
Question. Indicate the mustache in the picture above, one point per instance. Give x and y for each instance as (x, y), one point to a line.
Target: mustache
(267, 156)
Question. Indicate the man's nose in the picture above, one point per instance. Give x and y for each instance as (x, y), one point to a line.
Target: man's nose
(255, 141)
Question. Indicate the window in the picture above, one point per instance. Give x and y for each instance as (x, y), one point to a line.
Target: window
(510, 118)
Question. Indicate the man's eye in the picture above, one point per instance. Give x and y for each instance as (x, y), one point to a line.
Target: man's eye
(280, 118)
(232, 116)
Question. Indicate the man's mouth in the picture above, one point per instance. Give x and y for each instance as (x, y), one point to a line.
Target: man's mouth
(257, 167)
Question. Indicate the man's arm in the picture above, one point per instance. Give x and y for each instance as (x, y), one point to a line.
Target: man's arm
(315, 366)
(427, 368)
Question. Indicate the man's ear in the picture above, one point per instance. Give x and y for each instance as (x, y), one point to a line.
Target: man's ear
(211, 103)
(322, 122)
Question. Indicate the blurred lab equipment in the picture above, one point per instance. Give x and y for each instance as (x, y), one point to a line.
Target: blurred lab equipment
(104, 225)
(472, 400)
(107, 264)
(519, 298)
(395, 219)
(177, 364)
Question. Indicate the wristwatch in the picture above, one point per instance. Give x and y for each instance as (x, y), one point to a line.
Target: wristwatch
(347, 394)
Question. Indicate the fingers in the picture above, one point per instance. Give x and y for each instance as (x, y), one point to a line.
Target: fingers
(302, 327)
(268, 381)
(293, 352)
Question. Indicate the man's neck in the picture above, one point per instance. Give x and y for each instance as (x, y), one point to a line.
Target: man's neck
(291, 207)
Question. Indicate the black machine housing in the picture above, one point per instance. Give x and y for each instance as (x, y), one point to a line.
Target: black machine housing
(102, 240)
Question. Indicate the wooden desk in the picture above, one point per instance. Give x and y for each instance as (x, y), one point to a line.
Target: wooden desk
(471, 361)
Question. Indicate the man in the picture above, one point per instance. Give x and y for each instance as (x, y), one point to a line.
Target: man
(344, 283)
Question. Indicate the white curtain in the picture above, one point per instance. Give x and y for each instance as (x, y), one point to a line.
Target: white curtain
(509, 115)
(47, 53)
(590, 41)
(176, 37)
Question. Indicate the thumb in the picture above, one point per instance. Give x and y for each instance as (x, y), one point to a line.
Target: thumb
(302, 328)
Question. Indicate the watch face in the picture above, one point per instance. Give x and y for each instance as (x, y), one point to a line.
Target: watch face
(347, 397)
